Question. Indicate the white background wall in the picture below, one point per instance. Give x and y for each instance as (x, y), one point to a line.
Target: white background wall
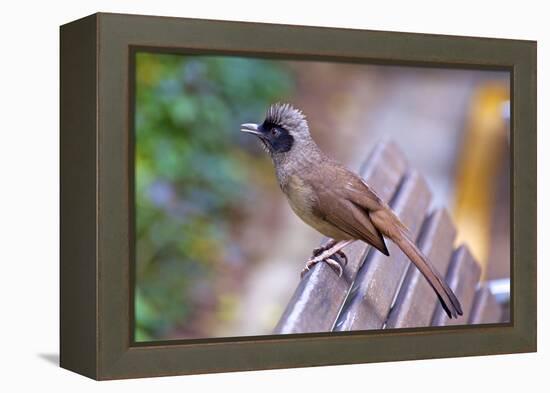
(29, 193)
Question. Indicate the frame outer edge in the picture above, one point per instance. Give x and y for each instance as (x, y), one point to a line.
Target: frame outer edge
(525, 200)
(78, 197)
(117, 357)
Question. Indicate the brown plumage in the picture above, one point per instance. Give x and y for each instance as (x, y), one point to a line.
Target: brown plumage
(333, 200)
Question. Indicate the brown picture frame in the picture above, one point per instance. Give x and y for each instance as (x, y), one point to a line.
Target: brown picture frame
(97, 196)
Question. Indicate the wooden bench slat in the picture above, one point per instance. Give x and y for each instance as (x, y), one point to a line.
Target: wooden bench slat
(416, 301)
(462, 276)
(486, 308)
(319, 296)
(378, 279)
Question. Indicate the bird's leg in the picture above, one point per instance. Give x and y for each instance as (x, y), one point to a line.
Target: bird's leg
(323, 247)
(326, 255)
(326, 246)
(330, 251)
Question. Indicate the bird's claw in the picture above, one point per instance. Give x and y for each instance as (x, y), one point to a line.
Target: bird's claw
(335, 265)
(330, 260)
(343, 257)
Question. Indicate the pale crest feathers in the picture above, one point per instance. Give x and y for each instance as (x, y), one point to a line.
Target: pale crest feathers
(288, 117)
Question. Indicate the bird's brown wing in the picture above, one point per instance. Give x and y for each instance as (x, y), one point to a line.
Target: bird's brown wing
(343, 200)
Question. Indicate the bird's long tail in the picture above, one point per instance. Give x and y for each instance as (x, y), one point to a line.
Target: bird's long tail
(446, 296)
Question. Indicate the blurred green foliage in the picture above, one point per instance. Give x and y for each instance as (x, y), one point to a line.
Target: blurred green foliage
(191, 174)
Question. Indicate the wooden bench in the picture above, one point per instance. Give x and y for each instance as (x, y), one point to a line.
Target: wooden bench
(380, 292)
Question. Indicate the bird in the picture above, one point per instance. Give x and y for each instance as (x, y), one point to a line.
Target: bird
(334, 200)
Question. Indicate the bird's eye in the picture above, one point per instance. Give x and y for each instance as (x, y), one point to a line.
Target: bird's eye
(274, 131)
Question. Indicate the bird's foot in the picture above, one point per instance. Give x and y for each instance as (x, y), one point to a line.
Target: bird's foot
(325, 247)
(330, 253)
(331, 259)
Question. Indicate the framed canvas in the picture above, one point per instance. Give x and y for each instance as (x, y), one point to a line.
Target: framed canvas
(180, 253)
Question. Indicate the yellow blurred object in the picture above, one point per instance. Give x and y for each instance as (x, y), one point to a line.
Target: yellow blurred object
(478, 166)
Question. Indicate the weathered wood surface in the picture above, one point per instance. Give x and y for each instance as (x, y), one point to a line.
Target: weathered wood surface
(319, 296)
(462, 276)
(485, 308)
(416, 301)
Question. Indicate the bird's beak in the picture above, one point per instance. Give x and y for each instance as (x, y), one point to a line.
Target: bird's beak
(251, 128)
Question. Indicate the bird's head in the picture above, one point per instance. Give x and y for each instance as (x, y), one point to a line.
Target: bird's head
(284, 128)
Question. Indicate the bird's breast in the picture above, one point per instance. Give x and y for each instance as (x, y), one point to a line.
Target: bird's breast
(301, 196)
